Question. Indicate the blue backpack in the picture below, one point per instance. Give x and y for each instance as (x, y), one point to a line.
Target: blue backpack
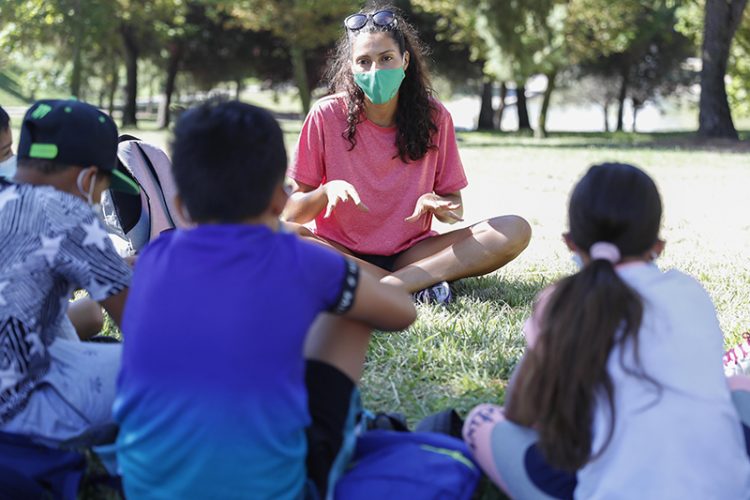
(30, 470)
(414, 466)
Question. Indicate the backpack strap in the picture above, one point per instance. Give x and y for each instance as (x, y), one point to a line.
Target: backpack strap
(445, 422)
(388, 422)
(157, 180)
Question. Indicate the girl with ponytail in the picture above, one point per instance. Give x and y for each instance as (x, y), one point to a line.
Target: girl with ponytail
(621, 393)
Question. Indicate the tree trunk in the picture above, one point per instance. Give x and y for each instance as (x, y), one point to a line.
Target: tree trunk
(523, 112)
(621, 97)
(150, 105)
(173, 66)
(605, 107)
(238, 89)
(636, 108)
(300, 77)
(75, 77)
(541, 130)
(114, 81)
(131, 86)
(486, 113)
(501, 106)
(722, 17)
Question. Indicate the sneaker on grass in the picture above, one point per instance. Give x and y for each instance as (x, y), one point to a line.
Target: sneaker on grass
(737, 359)
(439, 293)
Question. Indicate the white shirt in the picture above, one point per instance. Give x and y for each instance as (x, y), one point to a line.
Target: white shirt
(687, 442)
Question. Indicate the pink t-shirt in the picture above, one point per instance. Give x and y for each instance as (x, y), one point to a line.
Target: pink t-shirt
(387, 186)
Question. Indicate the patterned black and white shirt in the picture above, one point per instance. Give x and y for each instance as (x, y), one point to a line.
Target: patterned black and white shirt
(51, 244)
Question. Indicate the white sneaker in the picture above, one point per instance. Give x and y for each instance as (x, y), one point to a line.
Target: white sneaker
(439, 293)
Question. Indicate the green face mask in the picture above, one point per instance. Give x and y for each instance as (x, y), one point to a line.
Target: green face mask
(380, 85)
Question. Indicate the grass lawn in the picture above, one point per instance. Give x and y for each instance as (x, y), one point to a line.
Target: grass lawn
(463, 354)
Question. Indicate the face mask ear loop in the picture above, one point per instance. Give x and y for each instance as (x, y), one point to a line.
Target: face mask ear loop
(90, 193)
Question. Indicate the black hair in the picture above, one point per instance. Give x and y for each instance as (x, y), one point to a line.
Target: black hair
(587, 315)
(416, 112)
(46, 167)
(227, 157)
(4, 119)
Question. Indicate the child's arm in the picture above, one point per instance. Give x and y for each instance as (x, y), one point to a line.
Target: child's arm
(381, 306)
(115, 304)
(86, 316)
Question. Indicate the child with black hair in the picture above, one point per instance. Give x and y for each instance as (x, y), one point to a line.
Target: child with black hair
(238, 336)
(621, 393)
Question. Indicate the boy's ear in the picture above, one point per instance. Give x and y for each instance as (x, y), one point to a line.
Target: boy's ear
(181, 209)
(278, 200)
(658, 248)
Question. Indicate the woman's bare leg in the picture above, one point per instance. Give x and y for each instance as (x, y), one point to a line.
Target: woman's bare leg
(472, 251)
(305, 233)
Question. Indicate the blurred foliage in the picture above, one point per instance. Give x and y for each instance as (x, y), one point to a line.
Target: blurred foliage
(95, 48)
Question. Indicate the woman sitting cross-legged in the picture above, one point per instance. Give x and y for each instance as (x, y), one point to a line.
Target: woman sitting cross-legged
(378, 159)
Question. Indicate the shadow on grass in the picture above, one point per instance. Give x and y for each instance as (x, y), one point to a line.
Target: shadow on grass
(612, 140)
(516, 291)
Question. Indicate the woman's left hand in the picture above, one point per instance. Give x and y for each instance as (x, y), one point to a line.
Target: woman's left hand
(447, 209)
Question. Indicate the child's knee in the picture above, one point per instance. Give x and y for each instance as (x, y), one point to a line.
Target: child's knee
(480, 422)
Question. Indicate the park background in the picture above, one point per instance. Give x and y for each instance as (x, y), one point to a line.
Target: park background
(539, 90)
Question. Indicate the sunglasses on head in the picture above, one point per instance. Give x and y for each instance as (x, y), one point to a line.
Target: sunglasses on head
(382, 18)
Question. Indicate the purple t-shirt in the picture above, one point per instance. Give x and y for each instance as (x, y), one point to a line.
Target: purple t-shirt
(211, 398)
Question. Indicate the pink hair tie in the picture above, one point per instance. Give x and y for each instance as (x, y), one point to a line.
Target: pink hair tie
(606, 251)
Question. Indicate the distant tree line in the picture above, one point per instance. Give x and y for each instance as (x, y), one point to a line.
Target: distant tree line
(629, 49)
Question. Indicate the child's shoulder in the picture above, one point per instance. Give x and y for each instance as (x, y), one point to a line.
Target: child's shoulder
(62, 211)
(674, 281)
(683, 283)
(674, 290)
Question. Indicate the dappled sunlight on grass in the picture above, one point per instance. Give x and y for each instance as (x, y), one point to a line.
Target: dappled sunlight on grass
(463, 354)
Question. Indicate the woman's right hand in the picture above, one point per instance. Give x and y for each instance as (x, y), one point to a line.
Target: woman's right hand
(339, 191)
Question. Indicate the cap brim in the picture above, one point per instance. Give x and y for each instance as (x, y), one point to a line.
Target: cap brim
(123, 183)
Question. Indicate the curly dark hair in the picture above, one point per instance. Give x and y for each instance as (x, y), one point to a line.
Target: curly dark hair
(415, 115)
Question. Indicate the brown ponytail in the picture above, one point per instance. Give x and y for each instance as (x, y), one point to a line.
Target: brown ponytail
(564, 376)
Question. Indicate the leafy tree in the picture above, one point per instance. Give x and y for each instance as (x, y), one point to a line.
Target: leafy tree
(448, 29)
(634, 41)
(72, 28)
(305, 26)
(523, 39)
(660, 72)
(138, 22)
(722, 19)
(738, 88)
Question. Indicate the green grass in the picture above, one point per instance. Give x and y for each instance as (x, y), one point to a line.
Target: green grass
(463, 354)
